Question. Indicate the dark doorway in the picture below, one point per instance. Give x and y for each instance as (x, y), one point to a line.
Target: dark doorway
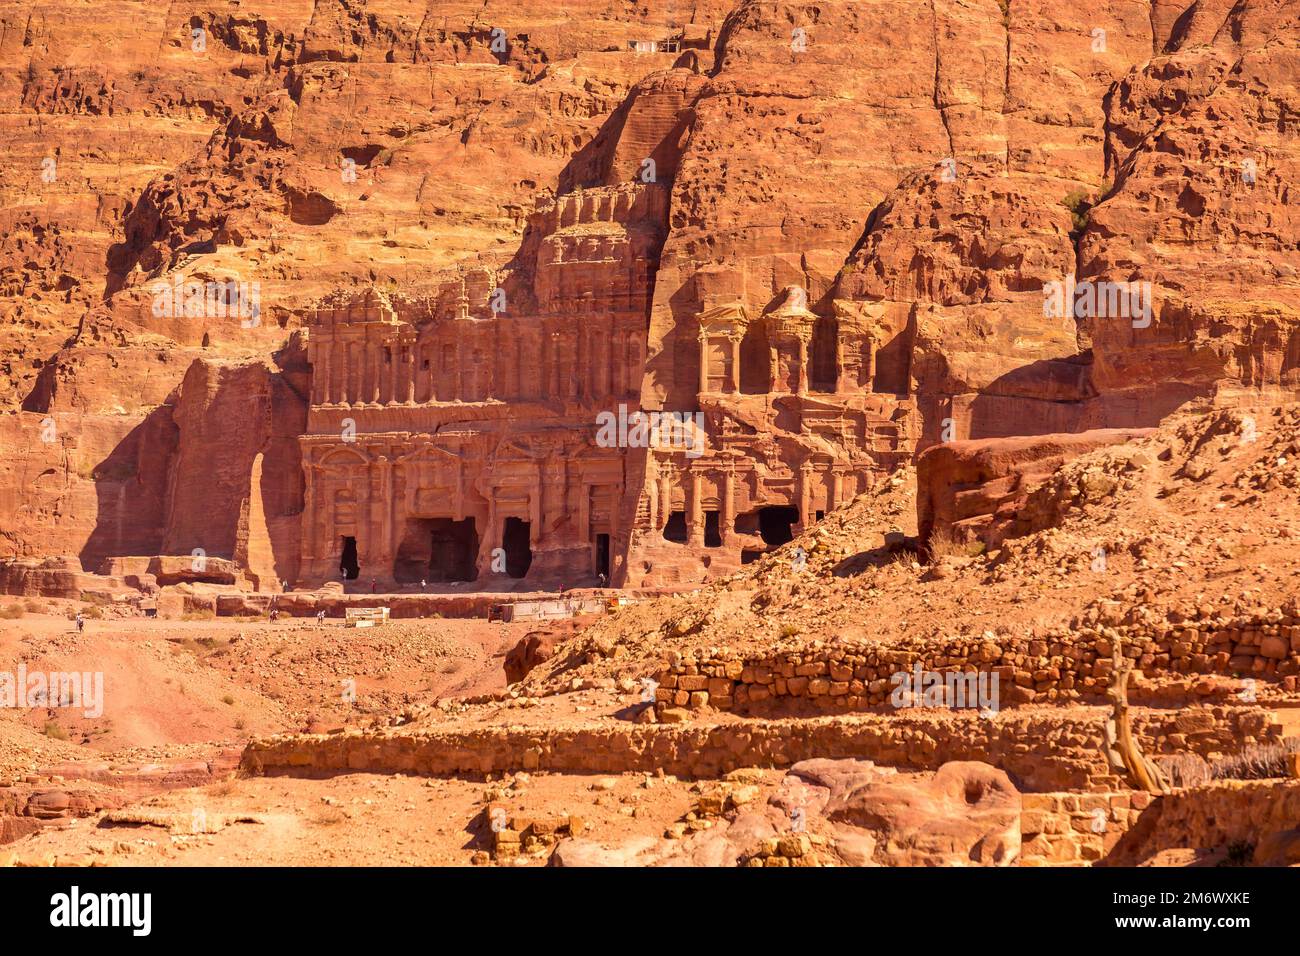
(437, 549)
(894, 363)
(749, 555)
(602, 555)
(755, 361)
(712, 530)
(453, 547)
(516, 540)
(774, 524)
(675, 529)
(824, 368)
(348, 562)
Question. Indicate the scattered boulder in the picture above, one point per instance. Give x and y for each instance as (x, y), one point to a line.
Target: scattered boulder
(535, 648)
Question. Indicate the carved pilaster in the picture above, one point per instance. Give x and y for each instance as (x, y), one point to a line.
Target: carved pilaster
(695, 514)
(704, 361)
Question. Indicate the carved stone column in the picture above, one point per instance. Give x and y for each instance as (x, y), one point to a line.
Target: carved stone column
(535, 507)
(584, 512)
(651, 493)
(385, 467)
(373, 350)
(492, 539)
(805, 496)
(309, 516)
(424, 370)
(337, 369)
(316, 357)
(408, 372)
(345, 371)
(801, 371)
(728, 517)
(634, 363)
(570, 347)
(614, 500)
(665, 499)
(367, 547)
(696, 512)
(388, 394)
(733, 383)
(704, 362)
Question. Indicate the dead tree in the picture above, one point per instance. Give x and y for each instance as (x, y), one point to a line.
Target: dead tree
(1122, 751)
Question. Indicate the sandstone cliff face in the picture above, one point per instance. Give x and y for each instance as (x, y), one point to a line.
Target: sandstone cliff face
(301, 146)
(245, 501)
(1202, 153)
(827, 228)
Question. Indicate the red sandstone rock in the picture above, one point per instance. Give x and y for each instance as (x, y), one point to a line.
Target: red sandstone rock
(979, 490)
(827, 238)
(532, 650)
(906, 323)
(966, 813)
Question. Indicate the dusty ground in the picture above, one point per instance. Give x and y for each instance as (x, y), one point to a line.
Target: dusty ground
(173, 688)
(356, 819)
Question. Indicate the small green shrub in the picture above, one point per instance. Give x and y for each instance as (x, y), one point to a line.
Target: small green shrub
(1077, 202)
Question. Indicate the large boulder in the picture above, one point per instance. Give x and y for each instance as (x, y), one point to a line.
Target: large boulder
(980, 490)
(532, 650)
(965, 813)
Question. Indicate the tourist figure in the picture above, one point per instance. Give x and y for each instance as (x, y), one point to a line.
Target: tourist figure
(320, 616)
(374, 585)
(603, 579)
(81, 622)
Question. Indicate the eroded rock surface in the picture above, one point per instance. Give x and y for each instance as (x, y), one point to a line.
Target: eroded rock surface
(492, 233)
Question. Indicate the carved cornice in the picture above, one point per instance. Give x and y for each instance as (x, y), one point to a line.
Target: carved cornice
(728, 320)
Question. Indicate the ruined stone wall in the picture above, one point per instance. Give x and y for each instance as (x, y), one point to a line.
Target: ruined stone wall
(1059, 829)
(1257, 816)
(1065, 665)
(1066, 752)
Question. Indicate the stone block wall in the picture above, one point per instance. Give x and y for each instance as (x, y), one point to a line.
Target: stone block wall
(1042, 751)
(1059, 829)
(1066, 665)
(1257, 816)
